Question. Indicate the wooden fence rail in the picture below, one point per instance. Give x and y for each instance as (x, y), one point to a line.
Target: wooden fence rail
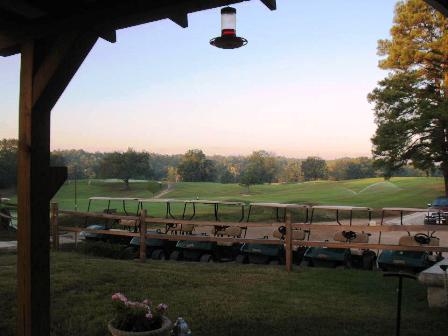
(370, 229)
(289, 243)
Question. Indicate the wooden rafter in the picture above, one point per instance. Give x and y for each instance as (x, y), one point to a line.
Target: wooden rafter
(22, 8)
(108, 18)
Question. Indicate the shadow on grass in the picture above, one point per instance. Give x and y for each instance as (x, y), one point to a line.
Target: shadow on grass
(227, 299)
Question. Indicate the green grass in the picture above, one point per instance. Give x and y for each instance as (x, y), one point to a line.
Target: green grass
(374, 192)
(405, 192)
(227, 299)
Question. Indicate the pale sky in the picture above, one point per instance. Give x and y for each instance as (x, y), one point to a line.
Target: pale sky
(298, 88)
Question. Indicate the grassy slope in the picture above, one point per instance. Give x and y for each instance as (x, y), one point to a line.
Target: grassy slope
(409, 192)
(227, 299)
(372, 192)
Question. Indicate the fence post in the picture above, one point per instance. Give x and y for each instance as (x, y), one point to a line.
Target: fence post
(54, 225)
(288, 241)
(142, 235)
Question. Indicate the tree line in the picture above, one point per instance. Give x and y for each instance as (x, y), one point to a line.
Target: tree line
(194, 166)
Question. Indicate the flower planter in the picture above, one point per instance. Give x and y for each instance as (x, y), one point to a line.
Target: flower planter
(165, 330)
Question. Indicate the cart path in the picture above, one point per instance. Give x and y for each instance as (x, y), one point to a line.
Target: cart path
(169, 188)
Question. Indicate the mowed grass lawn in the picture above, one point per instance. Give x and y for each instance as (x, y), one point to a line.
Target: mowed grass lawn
(227, 299)
(374, 192)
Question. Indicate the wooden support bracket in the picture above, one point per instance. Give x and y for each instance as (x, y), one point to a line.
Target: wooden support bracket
(271, 4)
(109, 36)
(180, 19)
(58, 175)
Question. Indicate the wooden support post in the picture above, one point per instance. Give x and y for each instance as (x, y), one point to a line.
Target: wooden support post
(288, 241)
(54, 225)
(47, 66)
(142, 235)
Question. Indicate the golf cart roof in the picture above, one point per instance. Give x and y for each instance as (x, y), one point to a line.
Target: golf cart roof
(279, 205)
(341, 207)
(113, 199)
(160, 200)
(215, 202)
(405, 209)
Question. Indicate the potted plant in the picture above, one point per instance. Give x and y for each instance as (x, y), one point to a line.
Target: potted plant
(132, 318)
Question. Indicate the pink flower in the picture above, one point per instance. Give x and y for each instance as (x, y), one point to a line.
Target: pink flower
(119, 297)
(147, 302)
(148, 315)
(162, 307)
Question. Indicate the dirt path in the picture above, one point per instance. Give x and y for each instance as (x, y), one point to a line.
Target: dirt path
(169, 188)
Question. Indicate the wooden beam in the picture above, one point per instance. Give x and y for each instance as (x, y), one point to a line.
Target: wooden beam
(180, 19)
(387, 247)
(22, 8)
(440, 5)
(39, 91)
(26, 314)
(271, 4)
(63, 62)
(118, 16)
(371, 229)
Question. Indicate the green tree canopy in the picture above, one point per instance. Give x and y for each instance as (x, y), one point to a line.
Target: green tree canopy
(314, 168)
(195, 167)
(126, 165)
(351, 168)
(261, 167)
(411, 103)
(293, 171)
(8, 162)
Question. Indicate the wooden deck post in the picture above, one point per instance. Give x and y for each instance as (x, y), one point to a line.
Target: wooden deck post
(288, 241)
(142, 235)
(47, 66)
(54, 225)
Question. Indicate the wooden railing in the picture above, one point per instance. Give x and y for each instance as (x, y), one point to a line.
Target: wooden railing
(143, 220)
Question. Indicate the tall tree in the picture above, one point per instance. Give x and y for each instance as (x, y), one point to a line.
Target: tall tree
(261, 167)
(314, 168)
(411, 104)
(293, 171)
(8, 162)
(195, 167)
(126, 165)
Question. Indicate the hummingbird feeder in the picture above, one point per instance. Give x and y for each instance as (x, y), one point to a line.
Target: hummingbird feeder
(228, 38)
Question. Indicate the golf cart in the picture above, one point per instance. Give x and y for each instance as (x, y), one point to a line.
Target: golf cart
(108, 224)
(207, 251)
(274, 254)
(333, 257)
(8, 215)
(409, 261)
(159, 249)
(437, 212)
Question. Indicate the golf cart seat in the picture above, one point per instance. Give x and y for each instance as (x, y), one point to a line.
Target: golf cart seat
(182, 228)
(352, 237)
(231, 231)
(296, 234)
(419, 239)
(128, 222)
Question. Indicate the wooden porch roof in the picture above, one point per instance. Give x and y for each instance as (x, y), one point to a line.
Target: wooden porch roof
(21, 20)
